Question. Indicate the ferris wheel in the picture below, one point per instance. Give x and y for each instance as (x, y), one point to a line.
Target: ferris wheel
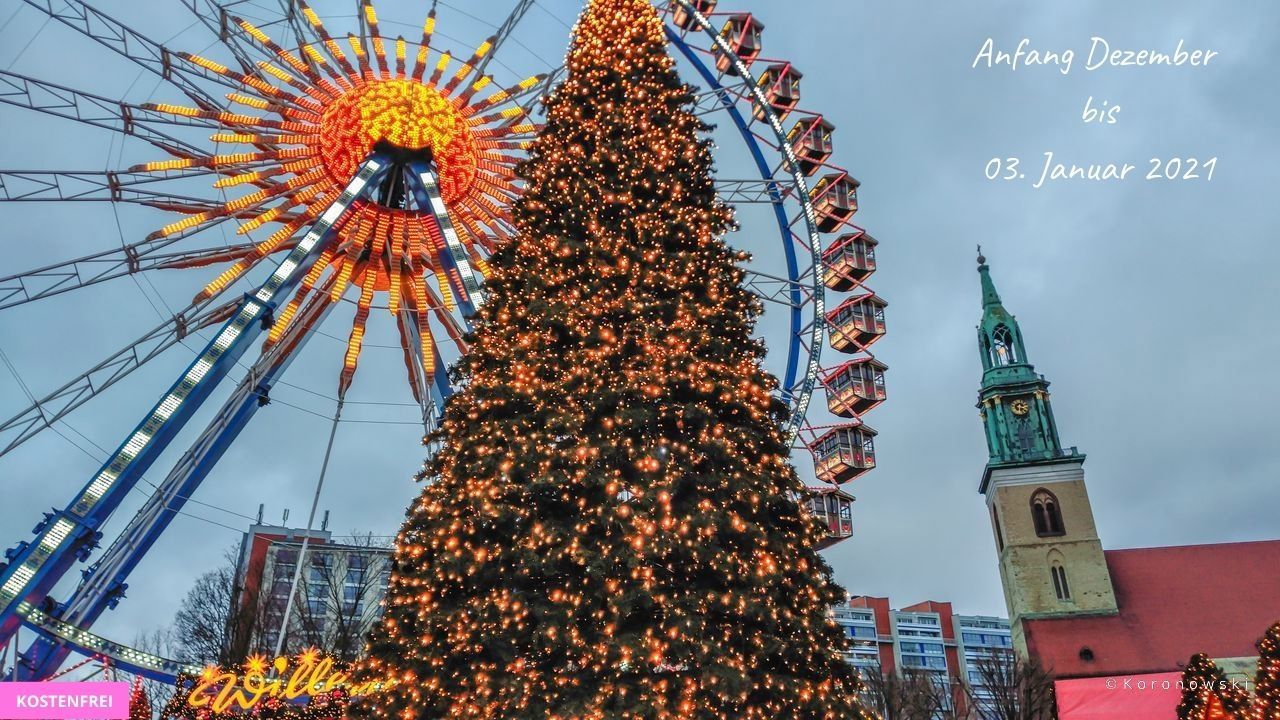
(356, 167)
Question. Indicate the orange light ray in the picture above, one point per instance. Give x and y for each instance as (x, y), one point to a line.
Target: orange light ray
(362, 57)
(469, 65)
(379, 52)
(356, 340)
(320, 30)
(424, 46)
(304, 288)
(400, 56)
(288, 57)
(419, 296)
(441, 64)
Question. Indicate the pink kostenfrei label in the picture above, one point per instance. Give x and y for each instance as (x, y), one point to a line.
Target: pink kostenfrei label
(64, 700)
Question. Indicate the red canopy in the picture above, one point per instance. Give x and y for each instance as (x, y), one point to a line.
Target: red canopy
(1119, 697)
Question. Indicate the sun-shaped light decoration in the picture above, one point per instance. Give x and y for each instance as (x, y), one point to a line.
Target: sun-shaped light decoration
(256, 664)
(318, 112)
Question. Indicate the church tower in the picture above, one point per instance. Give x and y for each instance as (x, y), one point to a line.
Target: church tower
(1051, 561)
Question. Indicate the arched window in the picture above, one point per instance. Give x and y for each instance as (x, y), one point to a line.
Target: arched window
(1046, 515)
(1003, 351)
(1060, 586)
(995, 522)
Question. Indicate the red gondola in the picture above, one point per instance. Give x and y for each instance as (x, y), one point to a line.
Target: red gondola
(684, 20)
(844, 453)
(849, 261)
(810, 138)
(856, 323)
(780, 84)
(835, 200)
(834, 508)
(855, 387)
(742, 33)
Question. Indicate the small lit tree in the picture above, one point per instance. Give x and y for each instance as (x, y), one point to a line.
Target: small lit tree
(139, 703)
(1266, 701)
(1207, 694)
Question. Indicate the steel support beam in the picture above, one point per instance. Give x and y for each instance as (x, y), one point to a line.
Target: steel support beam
(116, 115)
(70, 534)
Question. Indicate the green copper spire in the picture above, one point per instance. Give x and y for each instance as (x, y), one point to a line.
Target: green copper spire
(999, 338)
(989, 295)
(1013, 399)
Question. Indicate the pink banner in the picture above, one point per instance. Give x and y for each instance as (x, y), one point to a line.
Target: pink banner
(64, 700)
(1119, 697)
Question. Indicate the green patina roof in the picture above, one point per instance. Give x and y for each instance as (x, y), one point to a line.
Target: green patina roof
(1029, 436)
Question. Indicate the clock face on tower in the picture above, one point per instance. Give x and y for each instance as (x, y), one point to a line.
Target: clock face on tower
(1020, 407)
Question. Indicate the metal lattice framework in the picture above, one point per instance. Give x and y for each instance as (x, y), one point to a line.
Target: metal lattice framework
(405, 206)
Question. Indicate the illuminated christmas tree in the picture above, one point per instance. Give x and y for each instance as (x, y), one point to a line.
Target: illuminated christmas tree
(139, 703)
(1207, 694)
(1266, 692)
(611, 527)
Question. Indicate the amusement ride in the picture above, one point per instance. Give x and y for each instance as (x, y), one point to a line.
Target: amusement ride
(381, 172)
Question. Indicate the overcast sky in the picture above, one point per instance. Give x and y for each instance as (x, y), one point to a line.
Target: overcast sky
(1150, 305)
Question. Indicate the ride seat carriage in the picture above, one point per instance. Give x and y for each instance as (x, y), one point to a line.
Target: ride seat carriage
(742, 34)
(856, 323)
(780, 84)
(835, 200)
(810, 138)
(849, 261)
(683, 19)
(834, 509)
(844, 453)
(855, 387)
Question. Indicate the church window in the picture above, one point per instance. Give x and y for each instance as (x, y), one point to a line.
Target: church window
(1060, 586)
(1046, 515)
(1002, 346)
(995, 521)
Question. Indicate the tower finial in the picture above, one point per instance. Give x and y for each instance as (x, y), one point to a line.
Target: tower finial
(981, 259)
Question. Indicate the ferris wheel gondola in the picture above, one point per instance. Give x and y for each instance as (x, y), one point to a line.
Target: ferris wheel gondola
(383, 167)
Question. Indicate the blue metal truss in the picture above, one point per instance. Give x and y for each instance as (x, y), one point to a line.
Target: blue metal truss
(64, 627)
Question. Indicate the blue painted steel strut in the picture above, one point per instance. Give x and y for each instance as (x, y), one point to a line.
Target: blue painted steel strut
(69, 534)
(463, 279)
(104, 584)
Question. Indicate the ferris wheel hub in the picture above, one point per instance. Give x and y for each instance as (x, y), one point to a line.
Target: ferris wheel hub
(406, 114)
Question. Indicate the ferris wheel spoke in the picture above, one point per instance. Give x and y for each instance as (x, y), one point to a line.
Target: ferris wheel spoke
(113, 34)
(753, 191)
(39, 283)
(297, 30)
(127, 187)
(715, 99)
(121, 187)
(504, 31)
(115, 115)
(69, 534)
(778, 290)
(104, 577)
(55, 406)
(87, 185)
(219, 22)
(103, 584)
(534, 92)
